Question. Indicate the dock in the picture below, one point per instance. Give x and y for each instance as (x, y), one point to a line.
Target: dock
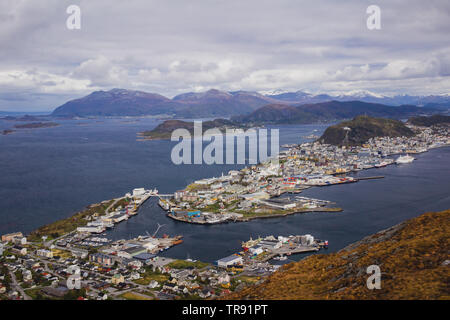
(370, 178)
(288, 252)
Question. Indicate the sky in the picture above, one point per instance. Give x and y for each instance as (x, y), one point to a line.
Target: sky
(175, 46)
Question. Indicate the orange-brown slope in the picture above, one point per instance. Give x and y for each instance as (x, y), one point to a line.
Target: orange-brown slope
(413, 257)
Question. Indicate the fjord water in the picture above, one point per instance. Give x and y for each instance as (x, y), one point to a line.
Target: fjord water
(48, 174)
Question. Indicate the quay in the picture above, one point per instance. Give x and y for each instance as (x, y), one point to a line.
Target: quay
(327, 209)
(287, 252)
(259, 251)
(121, 209)
(370, 178)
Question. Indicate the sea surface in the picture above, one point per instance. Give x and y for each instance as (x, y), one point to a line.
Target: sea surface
(48, 174)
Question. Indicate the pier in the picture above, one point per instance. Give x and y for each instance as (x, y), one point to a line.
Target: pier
(288, 252)
(370, 178)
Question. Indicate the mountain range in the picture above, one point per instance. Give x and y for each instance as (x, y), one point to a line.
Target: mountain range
(121, 102)
(327, 111)
(365, 96)
(216, 103)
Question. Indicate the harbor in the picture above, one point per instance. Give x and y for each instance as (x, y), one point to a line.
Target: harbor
(256, 254)
(254, 191)
(120, 210)
(125, 257)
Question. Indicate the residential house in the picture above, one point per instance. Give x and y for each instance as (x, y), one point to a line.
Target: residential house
(44, 253)
(20, 250)
(117, 279)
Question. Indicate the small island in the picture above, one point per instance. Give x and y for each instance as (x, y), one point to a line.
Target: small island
(26, 117)
(164, 130)
(7, 131)
(35, 125)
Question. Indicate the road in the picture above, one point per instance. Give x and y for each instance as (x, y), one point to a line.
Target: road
(18, 287)
(113, 204)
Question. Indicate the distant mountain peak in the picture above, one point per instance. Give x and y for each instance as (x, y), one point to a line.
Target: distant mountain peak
(361, 94)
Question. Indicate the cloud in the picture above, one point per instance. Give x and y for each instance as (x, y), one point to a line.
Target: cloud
(176, 46)
(100, 71)
(40, 82)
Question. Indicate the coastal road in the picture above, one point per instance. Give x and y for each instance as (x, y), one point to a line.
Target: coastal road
(113, 204)
(50, 242)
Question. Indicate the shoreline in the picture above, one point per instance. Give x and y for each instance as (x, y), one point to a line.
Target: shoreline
(264, 216)
(243, 219)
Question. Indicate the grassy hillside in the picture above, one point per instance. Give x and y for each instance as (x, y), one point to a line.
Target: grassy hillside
(362, 128)
(413, 257)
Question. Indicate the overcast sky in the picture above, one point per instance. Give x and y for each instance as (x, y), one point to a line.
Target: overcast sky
(174, 46)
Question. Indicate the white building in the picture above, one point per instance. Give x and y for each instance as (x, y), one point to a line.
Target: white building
(256, 250)
(92, 229)
(44, 253)
(151, 244)
(20, 240)
(138, 192)
(206, 181)
(270, 244)
(229, 261)
(27, 276)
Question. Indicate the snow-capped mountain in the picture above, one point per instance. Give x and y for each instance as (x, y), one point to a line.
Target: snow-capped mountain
(301, 97)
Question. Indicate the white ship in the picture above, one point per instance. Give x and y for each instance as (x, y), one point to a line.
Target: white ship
(404, 159)
(381, 164)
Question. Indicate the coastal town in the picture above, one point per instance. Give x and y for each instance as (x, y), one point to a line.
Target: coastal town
(73, 259)
(257, 191)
